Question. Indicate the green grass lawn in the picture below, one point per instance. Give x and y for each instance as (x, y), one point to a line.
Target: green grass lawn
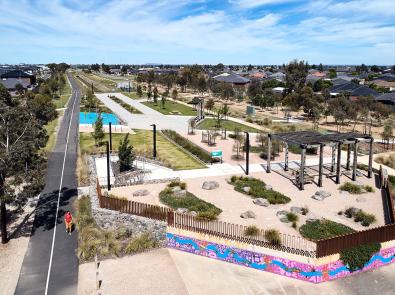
(209, 123)
(171, 108)
(50, 128)
(61, 101)
(168, 153)
(132, 95)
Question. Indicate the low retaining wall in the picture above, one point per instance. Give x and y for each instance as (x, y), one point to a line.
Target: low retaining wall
(286, 267)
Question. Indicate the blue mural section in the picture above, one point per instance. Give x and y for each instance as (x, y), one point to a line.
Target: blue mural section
(282, 266)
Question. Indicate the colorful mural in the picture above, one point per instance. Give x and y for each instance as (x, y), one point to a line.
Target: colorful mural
(281, 266)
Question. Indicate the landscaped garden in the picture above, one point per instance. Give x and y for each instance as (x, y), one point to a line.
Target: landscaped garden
(256, 188)
(211, 123)
(176, 196)
(167, 152)
(125, 105)
(132, 95)
(171, 108)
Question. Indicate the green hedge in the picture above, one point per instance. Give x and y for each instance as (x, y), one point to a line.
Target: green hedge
(188, 145)
(258, 190)
(204, 209)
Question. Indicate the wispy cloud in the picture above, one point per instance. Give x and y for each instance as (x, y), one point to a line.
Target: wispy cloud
(258, 3)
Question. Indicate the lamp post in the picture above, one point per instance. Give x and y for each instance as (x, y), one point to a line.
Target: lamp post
(247, 152)
(110, 131)
(154, 141)
(108, 166)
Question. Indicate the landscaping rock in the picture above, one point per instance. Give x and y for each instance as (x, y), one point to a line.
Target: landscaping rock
(344, 193)
(354, 210)
(246, 189)
(318, 197)
(210, 185)
(248, 214)
(284, 219)
(310, 220)
(175, 189)
(193, 213)
(182, 210)
(297, 210)
(324, 194)
(140, 192)
(359, 173)
(269, 187)
(180, 193)
(261, 202)
(361, 199)
(282, 213)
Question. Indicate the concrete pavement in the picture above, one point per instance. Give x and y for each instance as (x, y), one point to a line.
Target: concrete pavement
(50, 264)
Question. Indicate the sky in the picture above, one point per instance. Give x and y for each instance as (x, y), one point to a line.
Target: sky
(197, 31)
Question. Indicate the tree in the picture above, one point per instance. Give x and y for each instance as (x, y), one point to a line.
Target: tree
(225, 111)
(98, 133)
(53, 86)
(149, 92)
(155, 95)
(218, 117)
(182, 82)
(339, 108)
(238, 144)
(375, 69)
(105, 68)
(22, 166)
(126, 154)
(43, 108)
(174, 94)
(227, 91)
(387, 133)
(321, 67)
(332, 74)
(19, 89)
(164, 97)
(295, 75)
(202, 85)
(210, 104)
(124, 70)
(192, 125)
(139, 91)
(254, 90)
(95, 67)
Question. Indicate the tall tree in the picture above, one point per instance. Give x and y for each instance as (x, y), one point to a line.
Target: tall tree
(174, 94)
(126, 154)
(139, 91)
(98, 133)
(164, 98)
(295, 75)
(210, 104)
(155, 95)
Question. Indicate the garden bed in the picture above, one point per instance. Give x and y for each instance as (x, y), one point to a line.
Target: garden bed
(125, 105)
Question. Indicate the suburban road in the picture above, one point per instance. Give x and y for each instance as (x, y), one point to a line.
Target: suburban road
(50, 265)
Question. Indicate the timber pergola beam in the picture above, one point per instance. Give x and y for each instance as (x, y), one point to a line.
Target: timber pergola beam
(314, 139)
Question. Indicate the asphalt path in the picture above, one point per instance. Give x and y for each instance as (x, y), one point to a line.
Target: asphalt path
(50, 265)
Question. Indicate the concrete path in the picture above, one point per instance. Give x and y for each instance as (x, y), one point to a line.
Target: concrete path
(149, 116)
(50, 265)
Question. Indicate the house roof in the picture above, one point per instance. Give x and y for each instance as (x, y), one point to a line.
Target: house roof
(15, 74)
(354, 89)
(387, 77)
(387, 97)
(11, 82)
(231, 77)
(339, 81)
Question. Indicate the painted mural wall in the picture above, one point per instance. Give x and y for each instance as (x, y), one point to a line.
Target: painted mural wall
(281, 266)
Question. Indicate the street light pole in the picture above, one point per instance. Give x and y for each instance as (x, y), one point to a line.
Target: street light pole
(154, 141)
(247, 153)
(108, 167)
(110, 131)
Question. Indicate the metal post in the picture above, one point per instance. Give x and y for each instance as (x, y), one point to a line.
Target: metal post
(92, 88)
(247, 152)
(108, 166)
(320, 165)
(154, 140)
(129, 86)
(348, 156)
(269, 152)
(354, 163)
(110, 131)
(338, 166)
(286, 157)
(302, 163)
(370, 158)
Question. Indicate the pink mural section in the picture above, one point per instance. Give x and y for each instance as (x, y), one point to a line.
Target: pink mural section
(281, 266)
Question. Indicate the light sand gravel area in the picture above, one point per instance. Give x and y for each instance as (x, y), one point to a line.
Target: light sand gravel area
(234, 203)
(173, 272)
(12, 253)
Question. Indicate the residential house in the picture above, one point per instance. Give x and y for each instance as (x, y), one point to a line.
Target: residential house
(353, 90)
(387, 99)
(13, 77)
(233, 78)
(279, 76)
(386, 80)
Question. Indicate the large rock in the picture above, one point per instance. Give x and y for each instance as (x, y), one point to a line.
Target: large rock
(176, 189)
(310, 220)
(261, 202)
(297, 210)
(140, 192)
(246, 189)
(318, 197)
(282, 213)
(182, 210)
(284, 219)
(209, 185)
(268, 187)
(324, 194)
(193, 213)
(248, 214)
(180, 193)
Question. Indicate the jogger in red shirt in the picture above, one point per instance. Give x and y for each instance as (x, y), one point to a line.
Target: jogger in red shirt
(68, 219)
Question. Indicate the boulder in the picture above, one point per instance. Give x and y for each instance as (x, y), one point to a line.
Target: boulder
(248, 214)
(284, 219)
(297, 210)
(318, 197)
(210, 185)
(193, 213)
(269, 187)
(182, 210)
(282, 213)
(324, 194)
(175, 189)
(246, 189)
(180, 193)
(359, 173)
(140, 192)
(261, 202)
(354, 210)
(310, 220)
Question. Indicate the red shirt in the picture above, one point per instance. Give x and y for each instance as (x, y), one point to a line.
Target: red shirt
(68, 217)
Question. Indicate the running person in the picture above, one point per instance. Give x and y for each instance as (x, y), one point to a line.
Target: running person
(68, 219)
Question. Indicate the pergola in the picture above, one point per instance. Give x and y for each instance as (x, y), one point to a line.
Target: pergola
(314, 139)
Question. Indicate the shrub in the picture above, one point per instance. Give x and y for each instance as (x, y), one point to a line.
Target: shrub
(340, 213)
(141, 243)
(305, 210)
(174, 183)
(323, 229)
(294, 225)
(368, 188)
(366, 219)
(351, 188)
(292, 217)
(188, 145)
(251, 230)
(258, 190)
(349, 212)
(273, 237)
(183, 185)
(356, 258)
